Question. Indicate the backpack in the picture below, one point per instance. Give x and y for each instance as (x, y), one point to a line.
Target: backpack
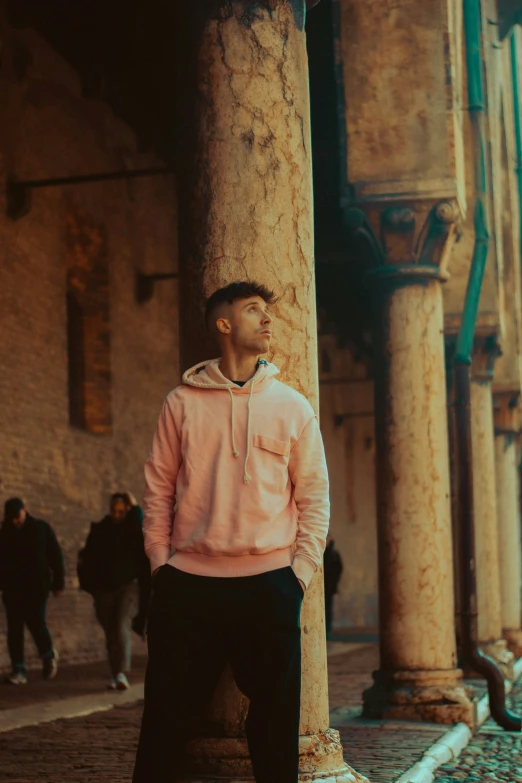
(85, 568)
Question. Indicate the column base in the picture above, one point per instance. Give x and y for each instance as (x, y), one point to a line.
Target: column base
(504, 658)
(513, 638)
(226, 760)
(437, 696)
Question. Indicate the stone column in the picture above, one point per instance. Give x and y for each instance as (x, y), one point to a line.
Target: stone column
(417, 678)
(248, 214)
(485, 504)
(508, 515)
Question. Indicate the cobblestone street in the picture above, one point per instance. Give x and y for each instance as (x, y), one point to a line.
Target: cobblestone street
(492, 755)
(100, 747)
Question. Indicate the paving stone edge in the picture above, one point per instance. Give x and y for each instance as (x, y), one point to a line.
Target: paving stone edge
(451, 744)
(75, 707)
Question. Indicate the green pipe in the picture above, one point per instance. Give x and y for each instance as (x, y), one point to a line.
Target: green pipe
(472, 654)
(518, 129)
(472, 31)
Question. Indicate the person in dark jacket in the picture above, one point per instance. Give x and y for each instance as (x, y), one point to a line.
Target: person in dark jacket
(31, 566)
(332, 569)
(111, 562)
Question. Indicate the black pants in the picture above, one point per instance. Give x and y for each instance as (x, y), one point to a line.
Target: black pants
(196, 625)
(26, 610)
(114, 610)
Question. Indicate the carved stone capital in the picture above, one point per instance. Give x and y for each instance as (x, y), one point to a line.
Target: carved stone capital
(486, 351)
(506, 411)
(411, 240)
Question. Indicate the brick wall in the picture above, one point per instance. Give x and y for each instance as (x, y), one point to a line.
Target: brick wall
(66, 473)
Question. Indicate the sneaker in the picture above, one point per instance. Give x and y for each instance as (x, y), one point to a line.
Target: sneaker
(112, 685)
(122, 682)
(16, 678)
(50, 666)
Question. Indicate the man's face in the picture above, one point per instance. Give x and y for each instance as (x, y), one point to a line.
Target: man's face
(249, 325)
(20, 519)
(118, 510)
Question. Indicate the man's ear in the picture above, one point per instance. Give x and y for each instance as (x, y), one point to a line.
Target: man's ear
(223, 326)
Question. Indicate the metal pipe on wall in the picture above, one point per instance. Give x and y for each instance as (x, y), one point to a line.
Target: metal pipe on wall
(462, 362)
(518, 121)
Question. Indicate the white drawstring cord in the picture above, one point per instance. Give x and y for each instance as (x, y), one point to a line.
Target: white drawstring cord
(235, 452)
(246, 476)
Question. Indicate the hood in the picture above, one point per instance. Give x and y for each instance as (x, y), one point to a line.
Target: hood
(207, 375)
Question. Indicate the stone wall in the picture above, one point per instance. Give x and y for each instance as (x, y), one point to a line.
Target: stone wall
(106, 232)
(348, 428)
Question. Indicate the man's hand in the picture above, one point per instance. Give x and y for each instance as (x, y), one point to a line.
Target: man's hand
(130, 499)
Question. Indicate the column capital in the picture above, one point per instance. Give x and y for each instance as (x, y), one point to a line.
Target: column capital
(486, 351)
(506, 410)
(405, 243)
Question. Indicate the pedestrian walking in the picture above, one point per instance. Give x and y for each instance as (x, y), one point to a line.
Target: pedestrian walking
(237, 489)
(114, 569)
(332, 572)
(31, 566)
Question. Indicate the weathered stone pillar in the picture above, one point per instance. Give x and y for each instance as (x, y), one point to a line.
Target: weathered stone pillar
(418, 678)
(485, 505)
(508, 515)
(248, 214)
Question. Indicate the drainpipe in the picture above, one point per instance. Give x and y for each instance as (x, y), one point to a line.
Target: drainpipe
(471, 653)
(518, 129)
(518, 133)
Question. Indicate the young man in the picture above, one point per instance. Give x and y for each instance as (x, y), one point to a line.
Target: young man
(31, 565)
(109, 566)
(236, 517)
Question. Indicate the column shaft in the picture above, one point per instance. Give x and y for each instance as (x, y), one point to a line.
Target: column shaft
(486, 525)
(418, 678)
(485, 503)
(414, 507)
(249, 216)
(508, 517)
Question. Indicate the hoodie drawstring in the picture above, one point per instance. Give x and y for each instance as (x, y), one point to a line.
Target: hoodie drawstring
(246, 476)
(235, 452)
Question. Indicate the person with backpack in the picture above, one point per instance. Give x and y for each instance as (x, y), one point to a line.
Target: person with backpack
(31, 566)
(109, 566)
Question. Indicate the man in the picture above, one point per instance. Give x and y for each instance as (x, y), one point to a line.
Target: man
(31, 565)
(237, 486)
(109, 565)
(332, 572)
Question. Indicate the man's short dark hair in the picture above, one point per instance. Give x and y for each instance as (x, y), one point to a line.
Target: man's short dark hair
(244, 289)
(12, 508)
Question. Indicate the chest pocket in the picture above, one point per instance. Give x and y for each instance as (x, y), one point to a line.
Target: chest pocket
(281, 447)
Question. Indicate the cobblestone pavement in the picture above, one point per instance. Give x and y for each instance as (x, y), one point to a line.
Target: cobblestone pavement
(384, 751)
(492, 755)
(99, 748)
(80, 680)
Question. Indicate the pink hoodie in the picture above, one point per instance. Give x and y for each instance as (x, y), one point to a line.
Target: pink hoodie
(236, 477)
